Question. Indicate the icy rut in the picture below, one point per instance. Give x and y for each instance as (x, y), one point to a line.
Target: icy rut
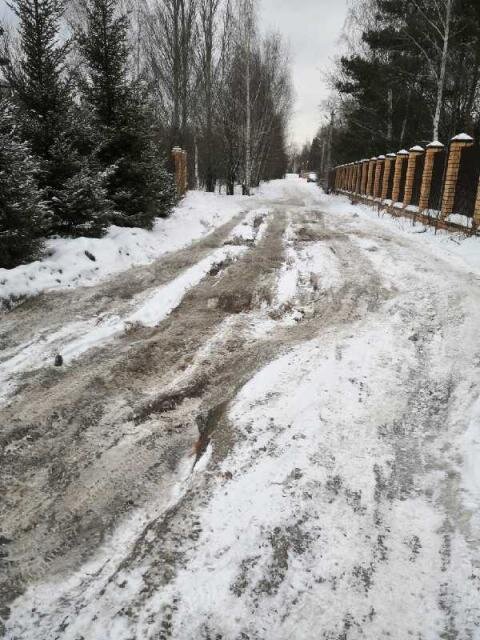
(332, 372)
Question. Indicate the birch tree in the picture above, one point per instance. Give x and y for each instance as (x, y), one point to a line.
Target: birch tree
(246, 34)
(433, 44)
(170, 28)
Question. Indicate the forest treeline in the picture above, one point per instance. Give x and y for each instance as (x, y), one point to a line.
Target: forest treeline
(410, 74)
(98, 92)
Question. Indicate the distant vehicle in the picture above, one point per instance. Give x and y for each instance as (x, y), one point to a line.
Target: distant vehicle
(312, 177)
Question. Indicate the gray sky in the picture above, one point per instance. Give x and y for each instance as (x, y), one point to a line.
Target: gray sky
(313, 29)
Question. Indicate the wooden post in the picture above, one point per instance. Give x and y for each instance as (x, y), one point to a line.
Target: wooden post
(389, 165)
(432, 149)
(457, 144)
(402, 156)
(413, 155)
(377, 187)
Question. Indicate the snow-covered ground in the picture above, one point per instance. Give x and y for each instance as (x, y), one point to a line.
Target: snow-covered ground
(330, 360)
(68, 265)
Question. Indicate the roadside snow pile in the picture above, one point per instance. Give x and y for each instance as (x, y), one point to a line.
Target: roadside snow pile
(460, 250)
(87, 261)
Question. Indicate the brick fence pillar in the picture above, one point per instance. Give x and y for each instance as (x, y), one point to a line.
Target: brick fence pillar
(432, 149)
(389, 167)
(377, 187)
(351, 182)
(180, 161)
(402, 157)
(371, 171)
(413, 156)
(337, 171)
(365, 165)
(457, 144)
(358, 181)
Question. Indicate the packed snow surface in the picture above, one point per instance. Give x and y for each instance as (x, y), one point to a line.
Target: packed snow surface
(339, 495)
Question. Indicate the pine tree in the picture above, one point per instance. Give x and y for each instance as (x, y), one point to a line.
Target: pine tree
(22, 211)
(79, 200)
(37, 77)
(51, 122)
(139, 186)
(81, 207)
(104, 47)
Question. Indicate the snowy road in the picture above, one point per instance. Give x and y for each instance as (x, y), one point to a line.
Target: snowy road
(329, 361)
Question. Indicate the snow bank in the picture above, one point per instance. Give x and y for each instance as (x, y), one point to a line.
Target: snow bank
(471, 453)
(67, 264)
(461, 251)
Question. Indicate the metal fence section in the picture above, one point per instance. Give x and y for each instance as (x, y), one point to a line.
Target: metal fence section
(390, 183)
(438, 179)
(403, 180)
(417, 179)
(467, 181)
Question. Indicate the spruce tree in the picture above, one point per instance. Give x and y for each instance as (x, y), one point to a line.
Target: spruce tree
(22, 210)
(37, 76)
(49, 121)
(139, 186)
(81, 207)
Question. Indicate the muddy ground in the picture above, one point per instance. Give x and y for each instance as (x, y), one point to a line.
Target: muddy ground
(110, 465)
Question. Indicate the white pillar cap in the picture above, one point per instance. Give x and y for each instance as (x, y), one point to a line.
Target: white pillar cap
(462, 137)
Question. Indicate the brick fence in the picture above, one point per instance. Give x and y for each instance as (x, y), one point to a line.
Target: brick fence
(430, 184)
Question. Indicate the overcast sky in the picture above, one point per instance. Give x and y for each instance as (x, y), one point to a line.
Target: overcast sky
(313, 29)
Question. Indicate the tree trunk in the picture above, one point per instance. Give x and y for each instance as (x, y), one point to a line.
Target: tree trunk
(390, 117)
(197, 173)
(248, 105)
(443, 68)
